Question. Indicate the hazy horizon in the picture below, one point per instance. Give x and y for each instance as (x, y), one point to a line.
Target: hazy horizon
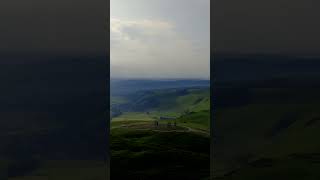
(160, 39)
(159, 79)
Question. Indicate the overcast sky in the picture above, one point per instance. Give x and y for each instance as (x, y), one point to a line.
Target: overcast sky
(160, 38)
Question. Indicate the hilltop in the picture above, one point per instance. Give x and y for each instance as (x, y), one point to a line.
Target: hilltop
(161, 133)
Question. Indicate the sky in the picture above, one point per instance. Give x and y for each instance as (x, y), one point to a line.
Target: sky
(160, 39)
(289, 27)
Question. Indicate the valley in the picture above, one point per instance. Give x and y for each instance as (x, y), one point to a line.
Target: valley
(161, 133)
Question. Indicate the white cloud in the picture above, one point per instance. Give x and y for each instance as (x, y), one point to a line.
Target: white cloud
(154, 49)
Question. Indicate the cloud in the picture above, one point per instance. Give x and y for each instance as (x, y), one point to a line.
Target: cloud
(154, 49)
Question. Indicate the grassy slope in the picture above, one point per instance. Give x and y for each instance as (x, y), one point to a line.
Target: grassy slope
(268, 139)
(118, 100)
(24, 165)
(159, 155)
(197, 120)
(169, 102)
(193, 100)
(162, 153)
(66, 170)
(133, 116)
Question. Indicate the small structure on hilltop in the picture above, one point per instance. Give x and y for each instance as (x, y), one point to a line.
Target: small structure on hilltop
(166, 118)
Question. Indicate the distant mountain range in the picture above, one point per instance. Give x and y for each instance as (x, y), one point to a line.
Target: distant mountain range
(119, 87)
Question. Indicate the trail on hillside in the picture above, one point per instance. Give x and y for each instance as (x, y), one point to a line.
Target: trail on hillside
(185, 129)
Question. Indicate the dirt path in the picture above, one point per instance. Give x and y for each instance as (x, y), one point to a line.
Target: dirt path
(186, 129)
(198, 131)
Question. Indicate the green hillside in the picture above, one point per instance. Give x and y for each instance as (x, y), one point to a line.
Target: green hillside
(273, 135)
(187, 107)
(159, 155)
(166, 101)
(162, 134)
(197, 120)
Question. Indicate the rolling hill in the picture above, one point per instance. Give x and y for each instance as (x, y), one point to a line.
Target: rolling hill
(267, 132)
(161, 133)
(175, 101)
(121, 87)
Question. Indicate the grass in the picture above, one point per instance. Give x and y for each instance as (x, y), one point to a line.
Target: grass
(198, 120)
(118, 100)
(141, 150)
(158, 155)
(173, 101)
(133, 116)
(196, 100)
(264, 130)
(67, 169)
(193, 100)
(282, 168)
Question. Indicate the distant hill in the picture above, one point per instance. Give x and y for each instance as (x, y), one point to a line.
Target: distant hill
(165, 127)
(176, 100)
(120, 87)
